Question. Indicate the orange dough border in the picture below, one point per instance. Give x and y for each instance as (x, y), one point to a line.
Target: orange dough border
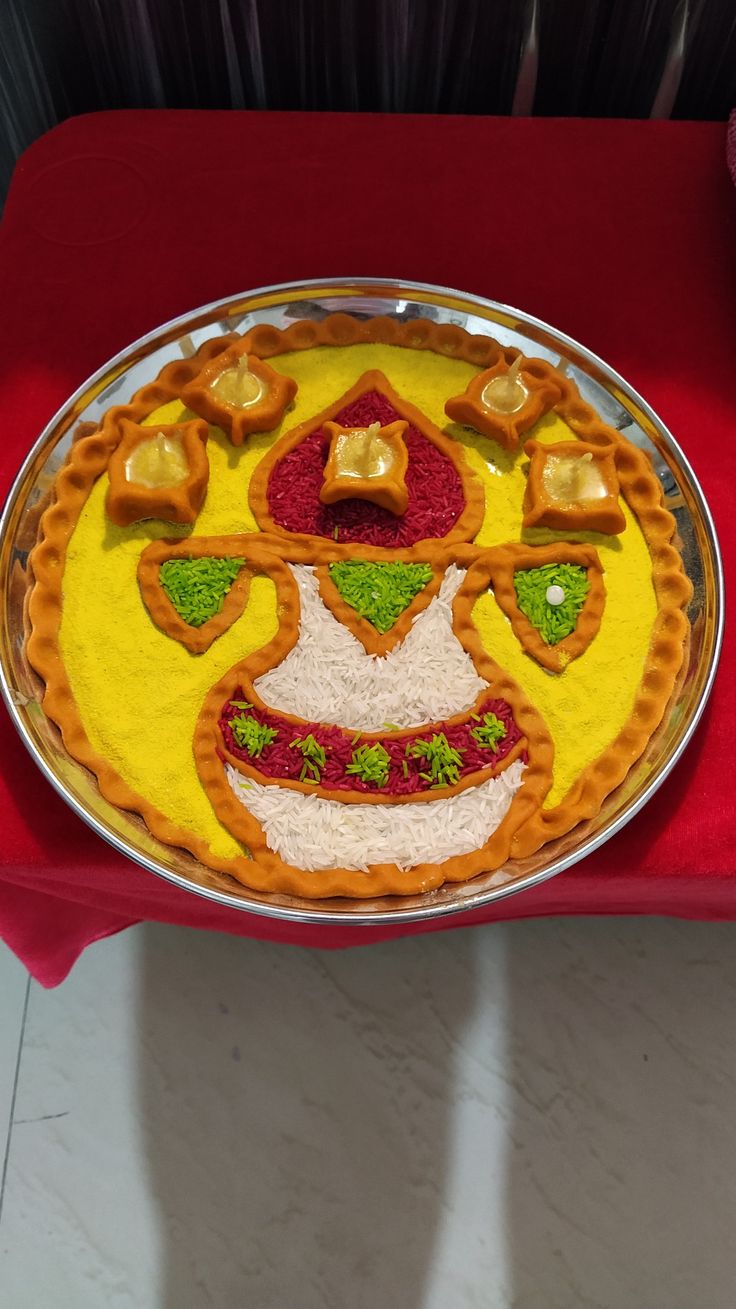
(673, 589)
(526, 828)
(383, 879)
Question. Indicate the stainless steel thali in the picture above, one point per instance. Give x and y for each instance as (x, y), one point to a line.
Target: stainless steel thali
(609, 394)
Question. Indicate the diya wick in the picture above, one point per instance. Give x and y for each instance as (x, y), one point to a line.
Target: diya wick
(506, 394)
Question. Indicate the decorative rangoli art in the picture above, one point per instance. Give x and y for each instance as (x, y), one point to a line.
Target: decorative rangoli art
(357, 608)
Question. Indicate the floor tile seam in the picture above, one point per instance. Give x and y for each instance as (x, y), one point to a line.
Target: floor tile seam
(14, 1094)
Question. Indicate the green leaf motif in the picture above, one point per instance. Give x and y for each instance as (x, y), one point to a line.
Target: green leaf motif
(379, 592)
(197, 587)
(553, 622)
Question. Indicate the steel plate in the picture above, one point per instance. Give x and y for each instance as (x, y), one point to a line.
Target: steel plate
(616, 402)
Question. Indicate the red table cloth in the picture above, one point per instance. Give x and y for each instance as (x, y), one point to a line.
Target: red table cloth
(622, 234)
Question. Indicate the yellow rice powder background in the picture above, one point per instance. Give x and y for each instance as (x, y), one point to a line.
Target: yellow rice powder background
(139, 692)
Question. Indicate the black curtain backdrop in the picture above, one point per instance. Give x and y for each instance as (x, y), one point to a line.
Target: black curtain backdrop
(623, 58)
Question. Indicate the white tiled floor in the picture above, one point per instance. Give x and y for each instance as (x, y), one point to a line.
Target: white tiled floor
(14, 988)
(539, 1115)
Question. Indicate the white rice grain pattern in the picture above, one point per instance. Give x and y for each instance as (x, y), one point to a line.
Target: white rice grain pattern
(329, 678)
(313, 833)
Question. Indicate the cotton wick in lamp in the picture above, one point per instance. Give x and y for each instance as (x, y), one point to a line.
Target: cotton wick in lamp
(371, 436)
(585, 479)
(506, 394)
(238, 386)
(363, 453)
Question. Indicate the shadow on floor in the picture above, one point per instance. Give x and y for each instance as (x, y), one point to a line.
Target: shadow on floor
(622, 1143)
(295, 1108)
(534, 1116)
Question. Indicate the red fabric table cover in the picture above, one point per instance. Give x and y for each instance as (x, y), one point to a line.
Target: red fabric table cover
(622, 234)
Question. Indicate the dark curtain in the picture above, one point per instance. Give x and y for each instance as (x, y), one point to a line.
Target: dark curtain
(585, 57)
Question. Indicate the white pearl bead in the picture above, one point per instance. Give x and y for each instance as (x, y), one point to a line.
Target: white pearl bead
(554, 595)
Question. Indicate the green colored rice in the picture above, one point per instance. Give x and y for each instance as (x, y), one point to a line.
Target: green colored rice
(197, 587)
(379, 592)
(371, 764)
(553, 622)
(250, 734)
(442, 762)
(489, 732)
(314, 756)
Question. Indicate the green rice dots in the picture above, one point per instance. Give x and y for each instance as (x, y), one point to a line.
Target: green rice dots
(197, 587)
(379, 592)
(553, 621)
(314, 756)
(489, 732)
(371, 764)
(251, 735)
(442, 763)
